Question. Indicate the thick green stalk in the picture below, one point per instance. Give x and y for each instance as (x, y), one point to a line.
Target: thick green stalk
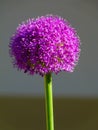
(49, 102)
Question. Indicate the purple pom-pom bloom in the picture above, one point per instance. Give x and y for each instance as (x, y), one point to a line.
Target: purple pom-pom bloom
(45, 44)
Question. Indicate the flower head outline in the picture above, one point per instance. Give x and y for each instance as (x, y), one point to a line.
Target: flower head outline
(44, 45)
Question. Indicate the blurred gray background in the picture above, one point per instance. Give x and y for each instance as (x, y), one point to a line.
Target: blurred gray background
(83, 15)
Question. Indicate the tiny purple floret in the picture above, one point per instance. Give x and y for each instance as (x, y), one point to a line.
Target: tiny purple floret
(44, 45)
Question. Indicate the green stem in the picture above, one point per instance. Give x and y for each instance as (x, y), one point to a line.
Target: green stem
(49, 102)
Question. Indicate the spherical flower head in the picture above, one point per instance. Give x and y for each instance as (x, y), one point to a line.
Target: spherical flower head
(44, 45)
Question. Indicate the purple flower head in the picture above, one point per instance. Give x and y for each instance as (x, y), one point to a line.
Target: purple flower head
(45, 44)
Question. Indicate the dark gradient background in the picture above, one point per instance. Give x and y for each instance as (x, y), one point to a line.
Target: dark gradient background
(83, 15)
(76, 94)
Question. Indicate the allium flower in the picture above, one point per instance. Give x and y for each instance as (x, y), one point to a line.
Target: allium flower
(45, 44)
